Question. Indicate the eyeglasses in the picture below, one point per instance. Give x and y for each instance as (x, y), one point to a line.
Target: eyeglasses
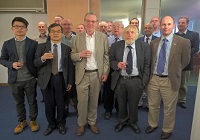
(93, 21)
(53, 32)
(17, 27)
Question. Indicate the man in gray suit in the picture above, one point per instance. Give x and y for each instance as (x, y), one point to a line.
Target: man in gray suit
(130, 60)
(90, 52)
(170, 54)
(55, 77)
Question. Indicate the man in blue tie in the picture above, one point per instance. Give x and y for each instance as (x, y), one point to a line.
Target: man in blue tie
(130, 60)
(170, 54)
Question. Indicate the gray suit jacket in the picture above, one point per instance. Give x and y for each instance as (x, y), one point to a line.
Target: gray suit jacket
(143, 61)
(45, 69)
(178, 59)
(101, 51)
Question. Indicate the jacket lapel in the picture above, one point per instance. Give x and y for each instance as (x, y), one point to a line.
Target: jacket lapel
(173, 48)
(14, 49)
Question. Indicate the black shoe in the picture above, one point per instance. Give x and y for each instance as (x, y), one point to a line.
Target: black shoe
(182, 104)
(150, 129)
(120, 127)
(140, 106)
(165, 135)
(62, 130)
(71, 102)
(48, 131)
(135, 128)
(107, 115)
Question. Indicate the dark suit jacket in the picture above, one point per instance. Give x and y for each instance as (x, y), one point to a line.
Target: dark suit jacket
(194, 40)
(179, 57)
(45, 69)
(143, 60)
(142, 38)
(9, 55)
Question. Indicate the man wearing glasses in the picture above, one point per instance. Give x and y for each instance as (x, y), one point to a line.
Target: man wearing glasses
(18, 55)
(90, 52)
(55, 77)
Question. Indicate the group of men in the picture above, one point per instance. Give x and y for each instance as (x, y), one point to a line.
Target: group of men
(126, 64)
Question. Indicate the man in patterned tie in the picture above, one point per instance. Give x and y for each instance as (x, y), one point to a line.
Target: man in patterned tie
(128, 81)
(165, 79)
(55, 77)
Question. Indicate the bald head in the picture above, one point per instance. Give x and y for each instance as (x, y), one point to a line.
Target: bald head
(42, 28)
(167, 25)
(148, 29)
(67, 25)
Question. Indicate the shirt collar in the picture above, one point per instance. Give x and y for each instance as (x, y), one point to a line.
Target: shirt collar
(58, 44)
(20, 40)
(93, 35)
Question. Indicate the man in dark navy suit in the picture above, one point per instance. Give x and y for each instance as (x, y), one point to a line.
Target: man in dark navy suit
(55, 77)
(194, 40)
(148, 34)
(148, 37)
(18, 55)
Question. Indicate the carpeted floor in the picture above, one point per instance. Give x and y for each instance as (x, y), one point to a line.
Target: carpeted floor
(8, 121)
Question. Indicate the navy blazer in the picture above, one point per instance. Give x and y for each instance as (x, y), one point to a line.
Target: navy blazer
(9, 55)
(194, 40)
(142, 38)
(143, 60)
(45, 68)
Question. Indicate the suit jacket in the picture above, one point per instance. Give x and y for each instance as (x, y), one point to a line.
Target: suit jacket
(179, 57)
(101, 57)
(45, 68)
(143, 60)
(142, 38)
(9, 55)
(194, 40)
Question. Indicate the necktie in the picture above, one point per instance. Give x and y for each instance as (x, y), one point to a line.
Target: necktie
(147, 40)
(129, 61)
(162, 58)
(116, 39)
(55, 60)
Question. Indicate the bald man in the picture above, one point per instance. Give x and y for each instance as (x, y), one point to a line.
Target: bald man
(170, 54)
(42, 28)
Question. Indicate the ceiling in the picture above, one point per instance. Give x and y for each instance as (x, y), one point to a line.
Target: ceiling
(121, 9)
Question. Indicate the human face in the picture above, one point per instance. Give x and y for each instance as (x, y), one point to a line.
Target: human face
(130, 36)
(155, 21)
(135, 23)
(167, 26)
(57, 20)
(80, 28)
(117, 29)
(67, 26)
(109, 28)
(148, 29)
(42, 28)
(103, 27)
(55, 34)
(19, 29)
(90, 22)
(182, 24)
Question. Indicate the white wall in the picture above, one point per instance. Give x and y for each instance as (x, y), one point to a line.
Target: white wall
(6, 32)
(196, 121)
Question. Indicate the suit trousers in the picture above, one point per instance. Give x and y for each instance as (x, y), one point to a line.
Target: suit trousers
(55, 102)
(87, 94)
(183, 89)
(128, 91)
(159, 88)
(108, 93)
(19, 90)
